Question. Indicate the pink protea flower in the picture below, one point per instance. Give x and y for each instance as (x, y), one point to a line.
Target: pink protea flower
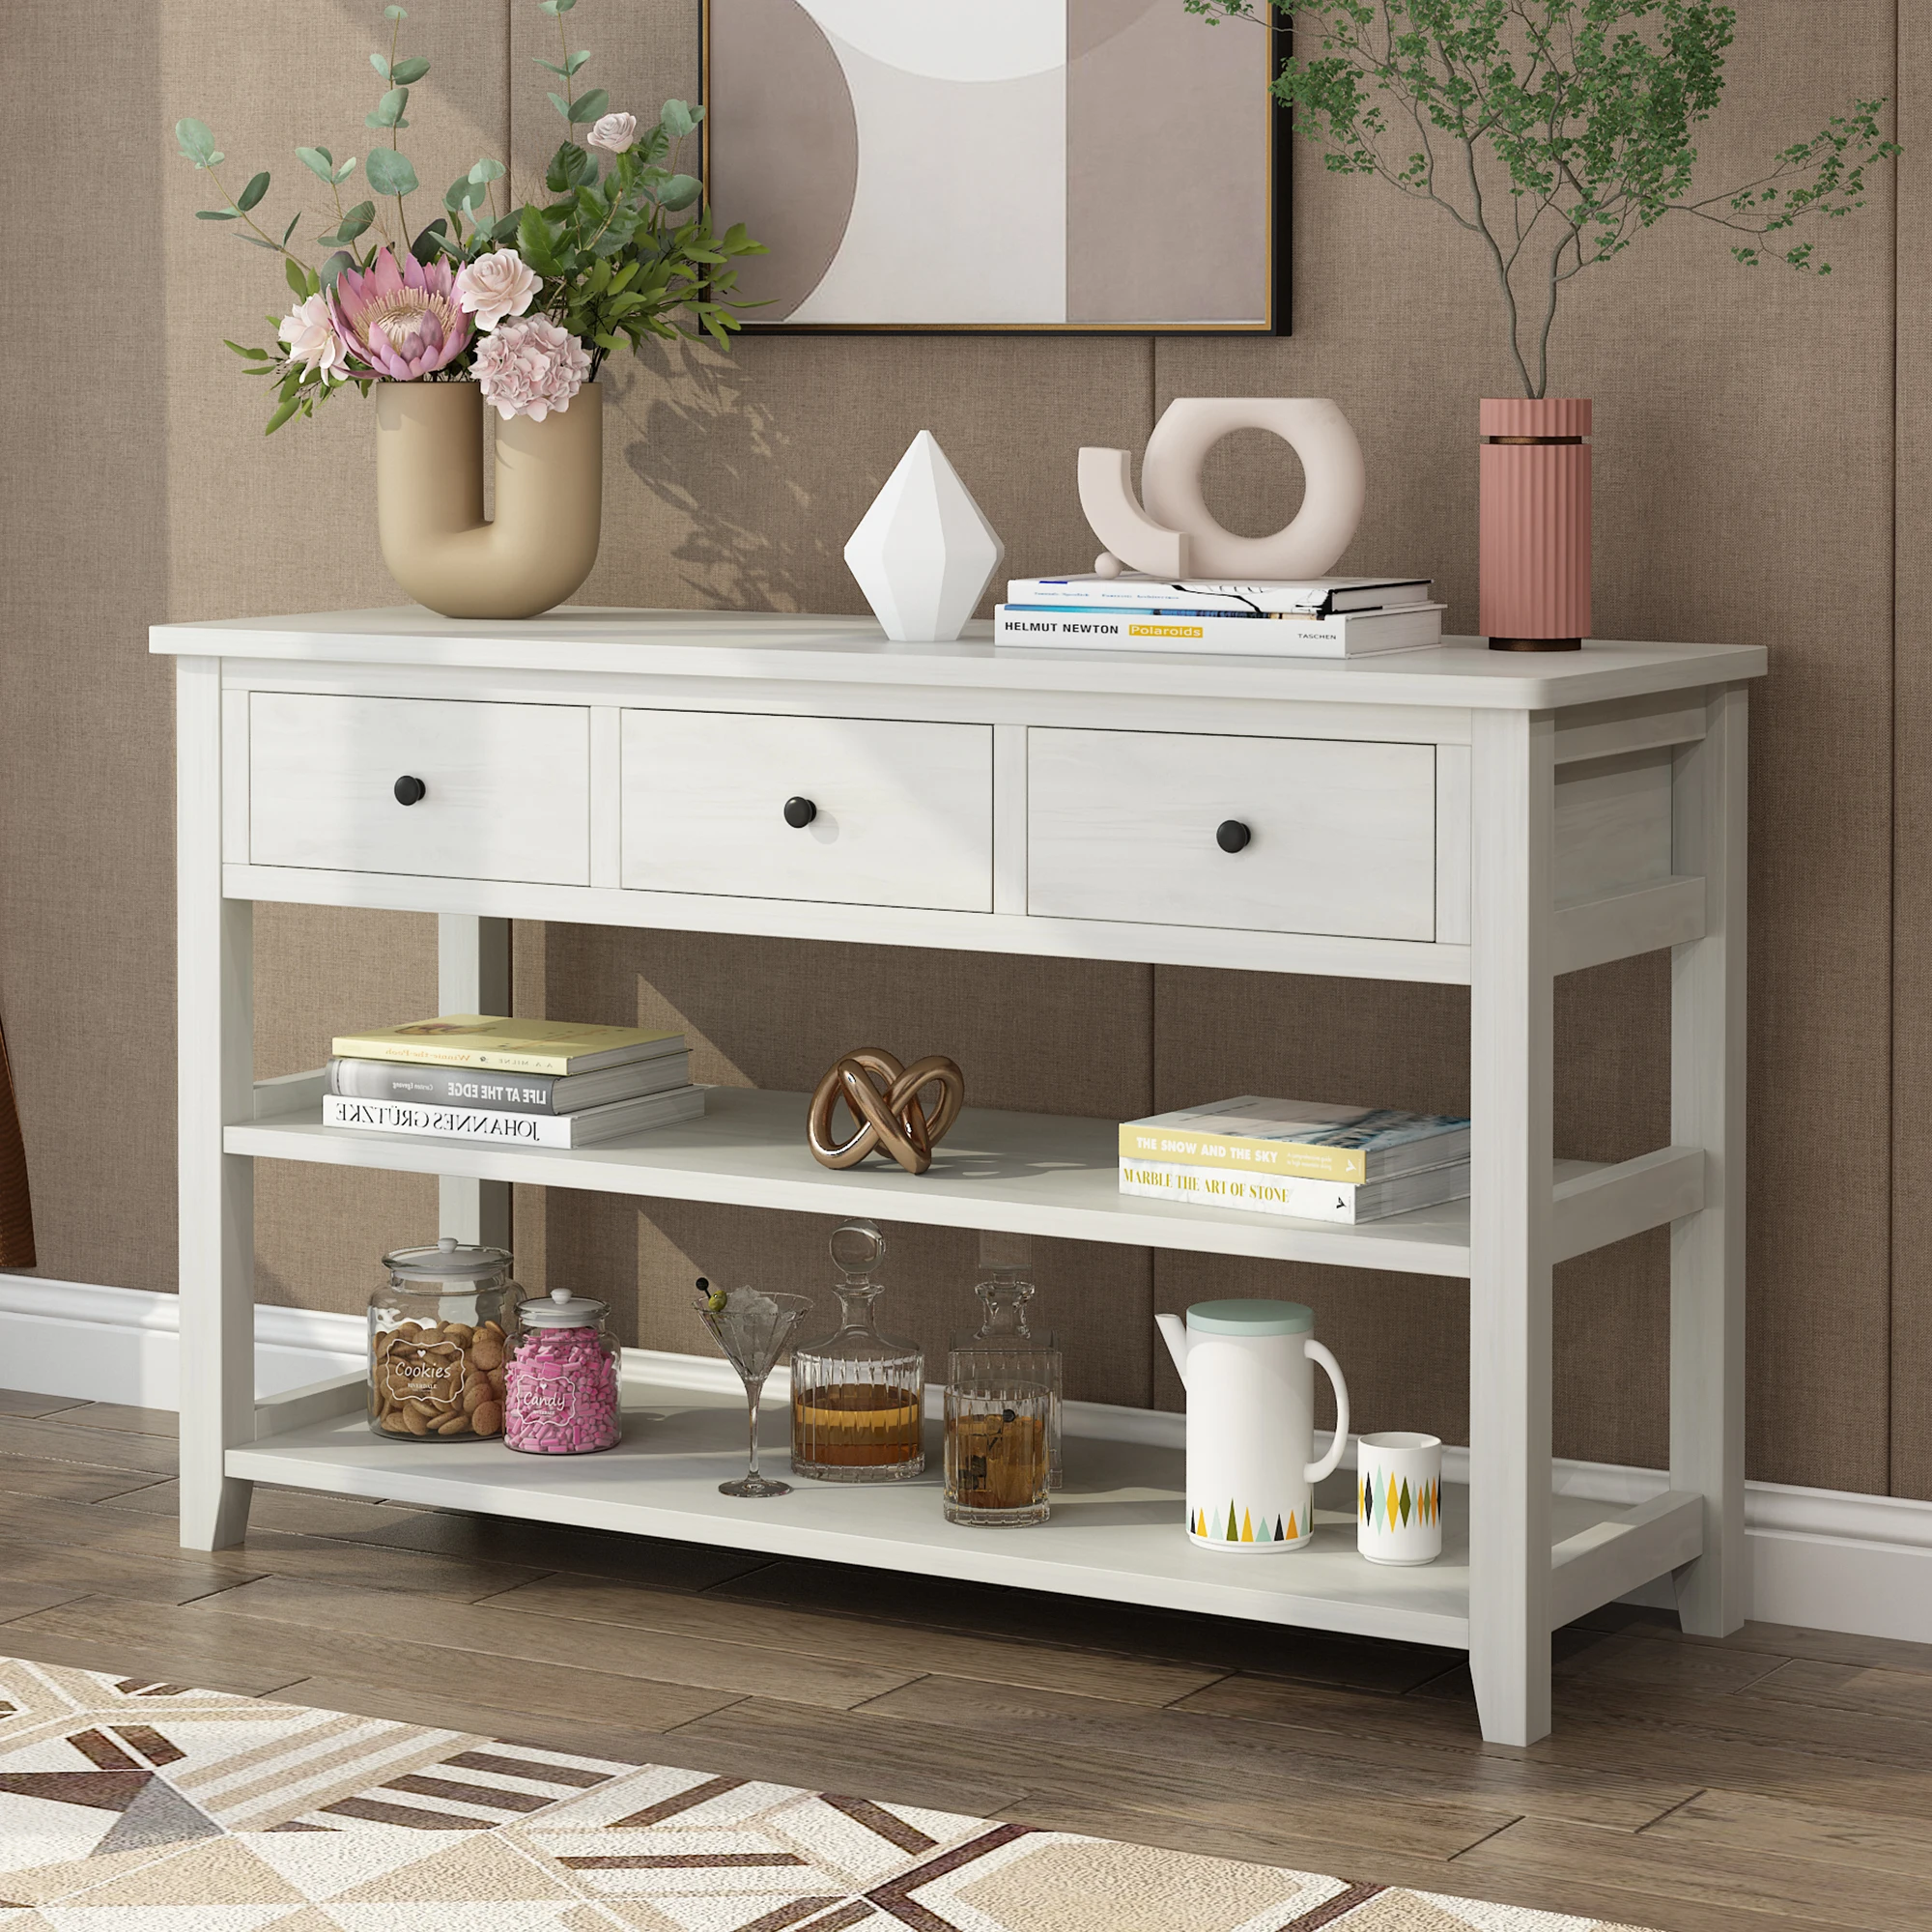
(530, 367)
(401, 318)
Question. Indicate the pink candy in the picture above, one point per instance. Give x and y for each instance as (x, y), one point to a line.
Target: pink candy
(560, 1393)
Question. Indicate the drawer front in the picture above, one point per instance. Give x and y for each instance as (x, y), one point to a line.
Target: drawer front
(508, 788)
(903, 813)
(1120, 825)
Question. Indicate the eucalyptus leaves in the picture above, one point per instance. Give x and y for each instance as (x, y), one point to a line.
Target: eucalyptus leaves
(623, 249)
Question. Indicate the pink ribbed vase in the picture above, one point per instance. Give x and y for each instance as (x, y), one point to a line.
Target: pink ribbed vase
(1535, 522)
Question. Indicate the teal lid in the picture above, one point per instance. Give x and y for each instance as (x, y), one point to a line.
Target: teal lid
(1251, 1318)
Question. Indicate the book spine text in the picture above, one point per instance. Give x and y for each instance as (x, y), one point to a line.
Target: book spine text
(1273, 1160)
(427, 1085)
(470, 1123)
(1215, 1187)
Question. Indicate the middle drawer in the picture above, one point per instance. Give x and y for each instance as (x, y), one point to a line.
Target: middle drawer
(853, 810)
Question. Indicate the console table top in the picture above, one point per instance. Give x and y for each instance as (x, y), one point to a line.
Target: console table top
(768, 645)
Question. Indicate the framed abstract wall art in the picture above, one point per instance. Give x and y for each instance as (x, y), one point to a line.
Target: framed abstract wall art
(999, 164)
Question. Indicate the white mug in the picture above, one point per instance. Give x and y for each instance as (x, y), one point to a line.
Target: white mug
(1398, 1497)
(1248, 1368)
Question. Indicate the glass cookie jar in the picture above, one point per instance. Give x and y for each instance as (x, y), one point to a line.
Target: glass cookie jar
(856, 1396)
(560, 1381)
(438, 1332)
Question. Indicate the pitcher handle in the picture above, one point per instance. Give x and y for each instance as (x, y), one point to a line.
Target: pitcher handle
(1332, 1369)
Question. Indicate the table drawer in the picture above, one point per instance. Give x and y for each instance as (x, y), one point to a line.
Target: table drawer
(507, 787)
(902, 812)
(1121, 825)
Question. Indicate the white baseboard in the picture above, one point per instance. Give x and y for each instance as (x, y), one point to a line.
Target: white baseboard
(1825, 1559)
(123, 1343)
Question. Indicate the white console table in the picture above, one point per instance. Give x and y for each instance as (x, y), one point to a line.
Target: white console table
(1450, 814)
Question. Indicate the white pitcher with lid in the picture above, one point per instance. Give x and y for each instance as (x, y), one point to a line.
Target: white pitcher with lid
(1248, 1369)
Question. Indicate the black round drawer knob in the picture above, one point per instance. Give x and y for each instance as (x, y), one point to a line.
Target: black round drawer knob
(800, 812)
(1231, 836)
(410, 791)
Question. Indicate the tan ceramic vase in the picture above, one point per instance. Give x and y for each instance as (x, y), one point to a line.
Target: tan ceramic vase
(1535, 522)
(429, 500)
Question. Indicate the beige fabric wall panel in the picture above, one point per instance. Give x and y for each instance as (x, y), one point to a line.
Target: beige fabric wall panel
(1743, 463)
(86, 782)
(1911, 1389)
(735, 480)
(288, 522)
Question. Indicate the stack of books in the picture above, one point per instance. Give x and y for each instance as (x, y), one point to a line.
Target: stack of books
(1298, 1157)
(1316, 617)
(480, 1077)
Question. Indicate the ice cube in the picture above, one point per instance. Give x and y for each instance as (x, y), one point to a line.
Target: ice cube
(749, 1305)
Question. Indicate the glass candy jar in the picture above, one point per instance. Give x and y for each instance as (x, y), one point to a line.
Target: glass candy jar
(437, 1337)
(1004, 1349)
(560, 1381)
(856, 1396)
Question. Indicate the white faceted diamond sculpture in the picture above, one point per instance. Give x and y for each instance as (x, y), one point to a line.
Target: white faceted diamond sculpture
(924, 553)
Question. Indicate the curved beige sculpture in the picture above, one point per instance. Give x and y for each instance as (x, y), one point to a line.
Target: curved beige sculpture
(1176, 520)
(1130, 534)
(429, 500)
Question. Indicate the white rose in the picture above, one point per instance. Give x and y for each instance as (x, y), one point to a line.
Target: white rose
(613, 134)
(494, 286)
(308, 331)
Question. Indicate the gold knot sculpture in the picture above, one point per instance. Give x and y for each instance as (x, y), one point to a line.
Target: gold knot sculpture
(882, 1095)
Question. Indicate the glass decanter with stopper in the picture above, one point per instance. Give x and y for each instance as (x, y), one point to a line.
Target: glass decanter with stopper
(856, 1396)
(1005, 1348)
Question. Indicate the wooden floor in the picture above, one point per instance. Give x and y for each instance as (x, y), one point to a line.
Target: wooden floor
(1779, 1779)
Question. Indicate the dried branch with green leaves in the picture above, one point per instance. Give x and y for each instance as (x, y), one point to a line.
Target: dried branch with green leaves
(1555, 132)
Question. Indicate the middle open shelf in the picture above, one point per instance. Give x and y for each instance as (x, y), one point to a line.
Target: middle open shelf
(1049, 1174)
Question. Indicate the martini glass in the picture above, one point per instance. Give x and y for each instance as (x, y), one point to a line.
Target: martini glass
(753, 1329)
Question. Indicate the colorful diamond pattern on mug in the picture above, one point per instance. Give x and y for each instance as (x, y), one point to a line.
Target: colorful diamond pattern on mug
(1396, 1504)
(1234, 1524)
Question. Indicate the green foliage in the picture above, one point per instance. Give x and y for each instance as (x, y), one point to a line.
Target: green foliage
(390, 172)
(387, 112)
(1553, 132)
(624, 249)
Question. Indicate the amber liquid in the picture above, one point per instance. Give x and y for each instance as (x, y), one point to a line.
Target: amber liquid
(993, 1463)
(856, 1426)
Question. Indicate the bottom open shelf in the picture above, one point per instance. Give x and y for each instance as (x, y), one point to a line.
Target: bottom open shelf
(1115, 1531)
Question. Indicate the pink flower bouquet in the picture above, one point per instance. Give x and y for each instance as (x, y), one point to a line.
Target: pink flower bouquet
(524, 300)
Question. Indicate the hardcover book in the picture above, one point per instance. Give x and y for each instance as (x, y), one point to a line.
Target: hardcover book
(1258, 635)
(415, 1083)
(508, 1047)
(505, 1129)
(1314, 596)
(1300, 1200)
(1298, 1140)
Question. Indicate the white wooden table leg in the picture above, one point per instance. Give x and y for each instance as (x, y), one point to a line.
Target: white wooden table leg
(1512, 801)
(217, 1191)
(1707, 1110)
(472, 976)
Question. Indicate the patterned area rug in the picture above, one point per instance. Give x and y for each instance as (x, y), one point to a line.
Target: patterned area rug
(153, 1808)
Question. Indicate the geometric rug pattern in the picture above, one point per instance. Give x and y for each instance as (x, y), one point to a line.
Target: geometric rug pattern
(127, 1805)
